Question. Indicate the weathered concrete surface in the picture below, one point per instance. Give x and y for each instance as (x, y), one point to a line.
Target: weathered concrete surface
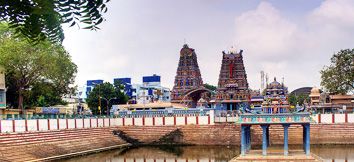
(294, 157)
(39, 145)
(229, 134)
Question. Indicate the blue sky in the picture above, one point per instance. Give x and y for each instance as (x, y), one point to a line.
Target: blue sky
(290, 39)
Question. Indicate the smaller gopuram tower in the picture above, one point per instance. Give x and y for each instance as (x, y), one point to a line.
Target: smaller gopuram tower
(232, 86)
(187, 78)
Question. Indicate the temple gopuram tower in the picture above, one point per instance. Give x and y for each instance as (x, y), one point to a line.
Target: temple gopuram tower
(188, 78)
(232, 86)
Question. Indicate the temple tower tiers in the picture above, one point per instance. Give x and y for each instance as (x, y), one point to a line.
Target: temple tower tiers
(232, 86)
(188, 75)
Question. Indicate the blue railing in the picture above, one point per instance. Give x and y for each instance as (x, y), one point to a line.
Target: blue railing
(166, 112)
(275, 118)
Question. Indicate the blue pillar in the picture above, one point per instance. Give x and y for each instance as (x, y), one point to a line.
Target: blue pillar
(231, 106)
(250, 138)
(268, 141)
(307, 140)
(303, 138)
(264, 139)
(243, 140)
(246, 139)
(286, 148)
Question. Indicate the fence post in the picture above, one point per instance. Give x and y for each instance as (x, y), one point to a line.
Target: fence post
(163, 120)
(103, 122)
(48, 122)
(26, 126)
(13, 126)
(67, 123)
(90, 123)
(346, 117)
(133, 121)
(97, 122)
(75, 123)
(174, 120)
(196, 120)
(208, 119)
(333, 120)
(123, 121)
(144, 120)
(58, 124)
(37, 124)
(319, 118)
(153, 120)
(185, 120)
(0, 126)
(83, 122)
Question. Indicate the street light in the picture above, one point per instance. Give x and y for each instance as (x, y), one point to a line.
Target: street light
(108, 101)
(99, 96)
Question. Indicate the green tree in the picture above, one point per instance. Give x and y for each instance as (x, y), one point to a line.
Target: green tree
(210, 87)
(28, 65)
(42, 19)
(298, 99)
(292, 100)
(302, 98)
(112, 93)
(43, 94)
(338, 78)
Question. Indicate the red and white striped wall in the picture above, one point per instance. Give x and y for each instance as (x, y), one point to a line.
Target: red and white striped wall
(10, 126)
(334, 118)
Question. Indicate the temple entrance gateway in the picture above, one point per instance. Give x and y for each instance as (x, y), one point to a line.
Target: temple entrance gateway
(264, 121)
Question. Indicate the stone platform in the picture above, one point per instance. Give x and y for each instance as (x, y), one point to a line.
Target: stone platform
(277, 155)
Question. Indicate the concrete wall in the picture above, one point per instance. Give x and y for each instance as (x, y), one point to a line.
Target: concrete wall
(11, 126)
(229, 134)
(60, 124)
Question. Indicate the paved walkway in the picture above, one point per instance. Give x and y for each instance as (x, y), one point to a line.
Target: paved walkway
(277, 155)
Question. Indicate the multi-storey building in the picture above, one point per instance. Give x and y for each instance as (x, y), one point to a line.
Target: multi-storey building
(128, 89)
(91, 84)
(149, 91)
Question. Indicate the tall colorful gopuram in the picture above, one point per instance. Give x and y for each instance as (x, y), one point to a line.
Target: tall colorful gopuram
(232, 86)
(187, 78)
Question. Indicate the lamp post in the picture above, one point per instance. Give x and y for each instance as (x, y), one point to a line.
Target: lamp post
(108, 101)
(99, 97)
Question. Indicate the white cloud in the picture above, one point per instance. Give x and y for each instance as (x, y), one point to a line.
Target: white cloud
(295, 50)
(142, 38)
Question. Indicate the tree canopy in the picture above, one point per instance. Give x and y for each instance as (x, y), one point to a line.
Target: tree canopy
(108, 93)
(298, 99)
(338, 78)
(42, 70)
(210, 87)
(41, 19)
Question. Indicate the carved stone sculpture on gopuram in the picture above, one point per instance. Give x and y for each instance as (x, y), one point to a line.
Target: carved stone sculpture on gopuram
(233, 88)
(188, 85)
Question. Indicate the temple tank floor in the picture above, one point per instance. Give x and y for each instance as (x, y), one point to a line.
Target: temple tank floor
(330, 153)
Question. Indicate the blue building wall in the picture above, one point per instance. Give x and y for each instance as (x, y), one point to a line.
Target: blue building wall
(154, 78)
(91, 84)
(94, 82)
(123, 80)
(128, 89)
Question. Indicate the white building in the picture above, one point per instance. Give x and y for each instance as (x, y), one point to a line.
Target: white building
(151, 90)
